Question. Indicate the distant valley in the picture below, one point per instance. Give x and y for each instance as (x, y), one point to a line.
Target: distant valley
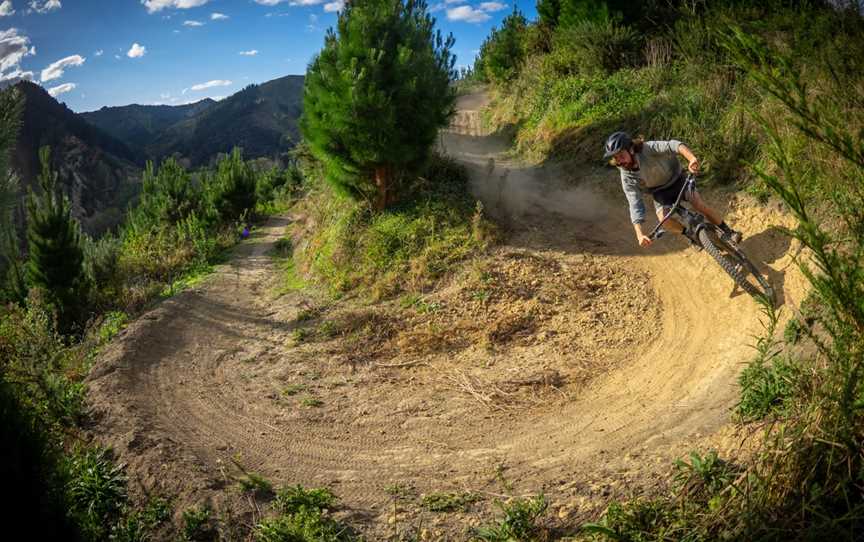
(99, 155)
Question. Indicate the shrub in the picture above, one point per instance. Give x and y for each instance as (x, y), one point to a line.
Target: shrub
(406, 247)
(592, 48)
(231, 190)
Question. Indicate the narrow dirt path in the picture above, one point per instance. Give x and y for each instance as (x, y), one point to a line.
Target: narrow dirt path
(216, 373)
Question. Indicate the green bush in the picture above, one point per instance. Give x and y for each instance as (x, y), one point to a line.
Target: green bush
(231, 190)
(407, 247)
(595, 48)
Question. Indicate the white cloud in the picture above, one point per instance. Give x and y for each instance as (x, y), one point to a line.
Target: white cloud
(467, 14)
(13, 48)
(218, 17)
(100, 52)
(193, 23)
(251, 52)
(306, 2)
(45, 7)
(334, 6)
(492, 6)
(158, 5)
(6, 8)
(65, 87)
(16, 75)
(210, 84)
(269, 2)
(55, 70)
(137, 51)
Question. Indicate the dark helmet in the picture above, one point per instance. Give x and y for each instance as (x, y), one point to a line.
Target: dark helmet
(617, 142)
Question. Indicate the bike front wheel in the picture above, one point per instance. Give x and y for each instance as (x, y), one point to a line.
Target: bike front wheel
(737, 265)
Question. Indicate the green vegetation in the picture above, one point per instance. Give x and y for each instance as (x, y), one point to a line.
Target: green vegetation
(520, 521)
(302, 516)
(449, 502)
(72, 295)
(406, 248)
(55, 261)
(376, 96)
(770, 97)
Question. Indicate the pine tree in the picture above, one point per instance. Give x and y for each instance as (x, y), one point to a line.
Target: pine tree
(548, 12)
(231, 191)
(167, 196)
(574, 12)
(56, 259)
(502, 53)
(376, 96)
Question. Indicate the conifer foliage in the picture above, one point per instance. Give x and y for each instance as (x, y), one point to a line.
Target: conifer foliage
(503, 51)
(56, 256)
(376, 96)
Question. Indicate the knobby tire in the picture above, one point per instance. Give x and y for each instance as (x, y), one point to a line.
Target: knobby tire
(737, 266)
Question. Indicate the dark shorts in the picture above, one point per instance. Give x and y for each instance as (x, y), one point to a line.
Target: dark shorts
(667, 195)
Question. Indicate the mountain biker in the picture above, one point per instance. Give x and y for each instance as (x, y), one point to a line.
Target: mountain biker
(652, 167)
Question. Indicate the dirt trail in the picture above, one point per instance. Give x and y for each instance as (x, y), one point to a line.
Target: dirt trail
(216, 372)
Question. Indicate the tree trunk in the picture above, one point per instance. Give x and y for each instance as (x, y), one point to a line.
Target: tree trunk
(382, 181)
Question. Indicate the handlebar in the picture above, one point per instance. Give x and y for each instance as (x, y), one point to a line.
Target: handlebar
(689, 181)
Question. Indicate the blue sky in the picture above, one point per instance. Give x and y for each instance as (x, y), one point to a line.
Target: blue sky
(91, 53)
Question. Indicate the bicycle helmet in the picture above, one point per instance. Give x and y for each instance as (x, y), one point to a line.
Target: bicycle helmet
(617, 142)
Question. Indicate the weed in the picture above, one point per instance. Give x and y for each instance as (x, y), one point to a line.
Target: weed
(311, 402)
(705, 474)
(303, 517)
(112, 324)
(138, 525)
(520, 521)
(198, 524)
(400, 491)
(292, 499)
(299, 335)
(96, 490)
(328, 329)
(252, 482)
(500, 468)
(304, 315)
(293, 389)
(448, 502)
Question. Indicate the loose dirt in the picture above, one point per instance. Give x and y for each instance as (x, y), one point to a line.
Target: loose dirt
(567, 361)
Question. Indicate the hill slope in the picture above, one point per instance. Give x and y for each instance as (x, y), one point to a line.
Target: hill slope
(138, 125)
(99, 172)
(261, 119)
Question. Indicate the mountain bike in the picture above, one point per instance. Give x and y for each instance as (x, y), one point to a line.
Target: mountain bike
(703, 234)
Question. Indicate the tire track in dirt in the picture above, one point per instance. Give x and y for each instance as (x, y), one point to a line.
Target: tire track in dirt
(178, 393)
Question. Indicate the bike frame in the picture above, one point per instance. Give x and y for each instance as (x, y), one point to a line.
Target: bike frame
(694, 222)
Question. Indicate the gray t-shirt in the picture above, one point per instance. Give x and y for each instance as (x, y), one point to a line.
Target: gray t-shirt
(658, 164)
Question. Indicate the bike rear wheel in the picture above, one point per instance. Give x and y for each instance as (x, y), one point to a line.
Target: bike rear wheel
(736, 265)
